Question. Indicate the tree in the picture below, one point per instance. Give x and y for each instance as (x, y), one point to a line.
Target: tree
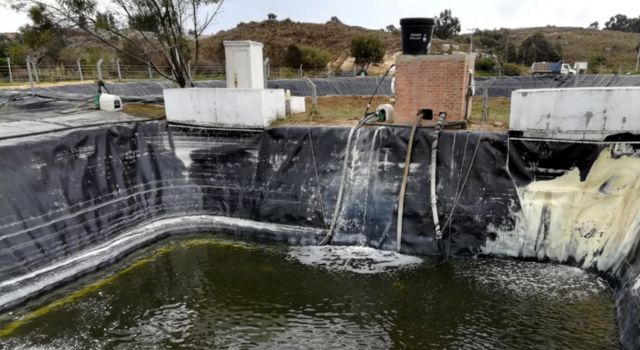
(536, 48)
(43, 37)
(392, 29)
(595, 25)
(335, 20)
(138, 29)
(622, 23)
(272, 17)
(367, 51)
(447, 26)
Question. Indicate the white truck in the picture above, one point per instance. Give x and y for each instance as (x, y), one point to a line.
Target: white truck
(552, 68)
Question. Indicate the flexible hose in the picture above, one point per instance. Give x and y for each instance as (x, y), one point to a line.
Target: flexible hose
(403, 185)
(345, 165)
(433, 171)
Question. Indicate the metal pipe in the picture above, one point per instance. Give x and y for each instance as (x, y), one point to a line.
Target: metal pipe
(314, 97)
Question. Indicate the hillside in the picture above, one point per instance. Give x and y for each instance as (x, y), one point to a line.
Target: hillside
(577, 44)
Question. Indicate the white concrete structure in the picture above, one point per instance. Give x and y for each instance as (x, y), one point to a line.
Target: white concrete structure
(244, 64)
(576, 114)
(233, 108)
(297, 105)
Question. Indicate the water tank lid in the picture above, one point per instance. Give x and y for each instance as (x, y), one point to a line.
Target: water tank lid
(417, 21)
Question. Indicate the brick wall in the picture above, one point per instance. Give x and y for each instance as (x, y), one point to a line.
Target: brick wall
(433, 82)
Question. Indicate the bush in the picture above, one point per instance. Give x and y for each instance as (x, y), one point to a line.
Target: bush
(485, 65)
(309, 57)
(511, 69)
(367, 50)
(536, 48)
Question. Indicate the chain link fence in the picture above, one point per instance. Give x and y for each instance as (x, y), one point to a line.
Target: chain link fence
(19, 73)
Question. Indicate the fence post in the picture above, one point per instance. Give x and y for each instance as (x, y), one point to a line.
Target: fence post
(9, 65)
(485, 104)
(80, 69)
(150, 73)
(99, 68)
(189, 70)
(314, 97)
(29, 72)
(118, 69)
(35, 70)
(301, 70)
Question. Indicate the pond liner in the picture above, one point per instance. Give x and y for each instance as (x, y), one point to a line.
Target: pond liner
(66, 194)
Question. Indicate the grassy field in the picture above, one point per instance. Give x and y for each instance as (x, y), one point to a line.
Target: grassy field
(346, 110)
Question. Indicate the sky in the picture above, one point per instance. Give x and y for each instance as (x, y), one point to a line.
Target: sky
(376, 14)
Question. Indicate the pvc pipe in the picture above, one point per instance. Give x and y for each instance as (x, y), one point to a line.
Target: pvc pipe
(99, 68)
(80, 69)
(433, 171)
(9, 65)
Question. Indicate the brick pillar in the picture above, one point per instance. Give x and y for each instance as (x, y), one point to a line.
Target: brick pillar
(432, 82)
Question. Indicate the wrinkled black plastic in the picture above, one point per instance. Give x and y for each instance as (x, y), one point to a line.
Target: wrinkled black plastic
(504, 86)
(64, 193)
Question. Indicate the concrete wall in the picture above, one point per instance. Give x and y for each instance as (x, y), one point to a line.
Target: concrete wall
(438, 82)
(241, 108)
(576, 113)
(244, 64)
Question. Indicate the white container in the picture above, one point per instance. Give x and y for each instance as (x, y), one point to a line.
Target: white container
(577, 113)
(244, 64)
(110, 102)
(228, 108)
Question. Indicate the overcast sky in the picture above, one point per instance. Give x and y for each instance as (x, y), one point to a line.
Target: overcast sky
(376, 14)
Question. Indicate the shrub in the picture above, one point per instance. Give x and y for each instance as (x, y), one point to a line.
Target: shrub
(367, 50)
(511, 69)
(485, 64)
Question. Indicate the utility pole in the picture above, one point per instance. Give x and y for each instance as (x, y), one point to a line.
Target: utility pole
(473, 31)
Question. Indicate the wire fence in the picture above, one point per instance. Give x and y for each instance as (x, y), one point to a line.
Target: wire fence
(15, 73)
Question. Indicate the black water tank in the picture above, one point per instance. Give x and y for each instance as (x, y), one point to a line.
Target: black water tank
(416, 35)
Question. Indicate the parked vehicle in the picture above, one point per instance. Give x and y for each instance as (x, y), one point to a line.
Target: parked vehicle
(552, 68)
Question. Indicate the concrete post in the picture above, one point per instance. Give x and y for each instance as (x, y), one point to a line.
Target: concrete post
(99, 68)
(149, 68)
(80, 69)
(189, 71)
(9, 66)
(30, 73)
(34, 68)
(118, 69)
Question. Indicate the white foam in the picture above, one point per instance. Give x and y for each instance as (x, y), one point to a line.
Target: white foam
(361, 260)
(532, 280)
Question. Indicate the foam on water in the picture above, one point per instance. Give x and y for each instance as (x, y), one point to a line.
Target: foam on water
(542, 281)
(361, 260)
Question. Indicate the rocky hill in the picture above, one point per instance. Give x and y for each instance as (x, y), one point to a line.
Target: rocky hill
(615, 51)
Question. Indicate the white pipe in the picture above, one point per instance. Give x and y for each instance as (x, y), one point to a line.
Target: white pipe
(9, 65)
(99, 68)
(433, 171)
(80, 69)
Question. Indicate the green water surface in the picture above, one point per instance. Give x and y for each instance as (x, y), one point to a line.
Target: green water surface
(212, 294)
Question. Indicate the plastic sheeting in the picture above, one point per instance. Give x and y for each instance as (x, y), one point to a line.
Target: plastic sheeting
(505, 85)
(151, 91)
(64, 194)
